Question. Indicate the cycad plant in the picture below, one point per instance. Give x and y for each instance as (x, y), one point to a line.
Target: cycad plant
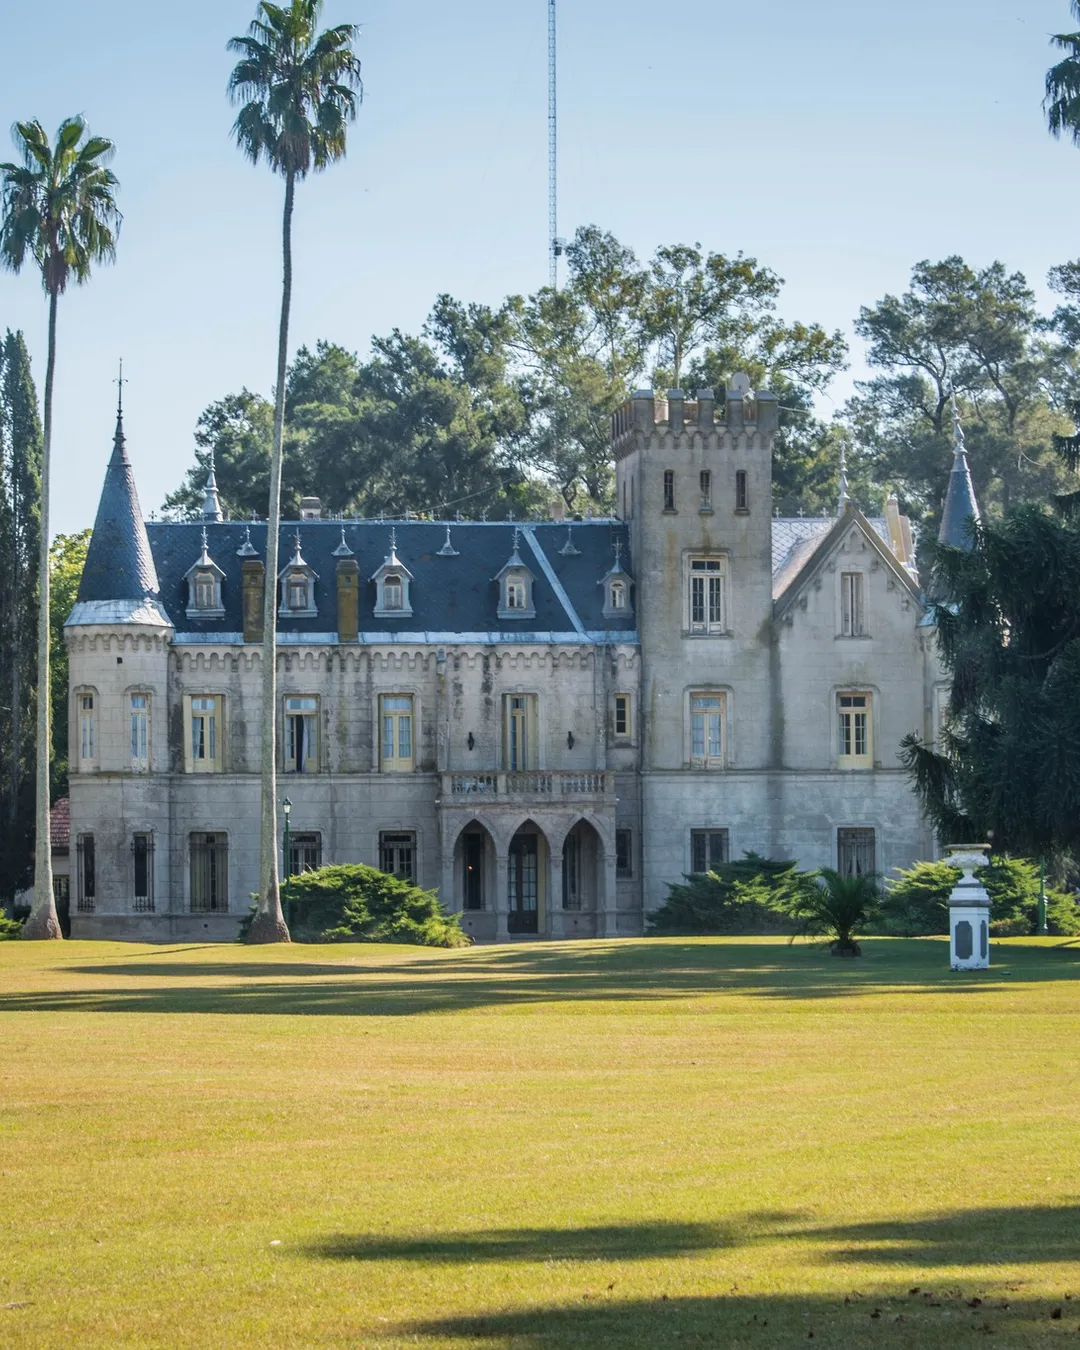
(298, 89)
(57, 208)
(834, 906)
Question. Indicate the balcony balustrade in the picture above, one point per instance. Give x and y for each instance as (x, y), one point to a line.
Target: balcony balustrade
(544, 785)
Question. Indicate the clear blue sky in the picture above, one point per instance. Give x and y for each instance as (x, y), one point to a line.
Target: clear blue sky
(838, 142)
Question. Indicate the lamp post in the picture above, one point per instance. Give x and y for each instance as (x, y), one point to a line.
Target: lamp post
(286, 806)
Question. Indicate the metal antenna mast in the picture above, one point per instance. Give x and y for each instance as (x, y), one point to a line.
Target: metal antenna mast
(555, 244)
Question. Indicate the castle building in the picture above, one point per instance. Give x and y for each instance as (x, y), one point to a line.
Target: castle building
(546, 722)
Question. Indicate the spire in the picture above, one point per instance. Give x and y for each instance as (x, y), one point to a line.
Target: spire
(448, 550)
(119, 564)
(247, 548)
(960, 505)
(844, 497)
(211, 505)
(342, 550)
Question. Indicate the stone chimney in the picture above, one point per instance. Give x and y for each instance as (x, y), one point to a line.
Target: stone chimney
(310, 508)
(252, 587)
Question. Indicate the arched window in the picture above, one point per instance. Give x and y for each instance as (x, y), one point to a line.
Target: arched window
(515, 592)
(618, 595)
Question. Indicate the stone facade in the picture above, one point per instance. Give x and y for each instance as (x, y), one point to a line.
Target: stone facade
(546, 722)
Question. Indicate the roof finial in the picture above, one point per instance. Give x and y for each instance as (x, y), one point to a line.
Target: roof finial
(844, 496)
(119, 451)
(211, 503)
(342, 550)
(568, 549)
(618, 553)
(247, 548)
(448, 550)
(959, 443)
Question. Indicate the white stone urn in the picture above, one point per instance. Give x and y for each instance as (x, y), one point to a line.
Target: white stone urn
(969, 910)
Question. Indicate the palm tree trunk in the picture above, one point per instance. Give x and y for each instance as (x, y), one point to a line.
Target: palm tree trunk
(269, 924)
(43, 922)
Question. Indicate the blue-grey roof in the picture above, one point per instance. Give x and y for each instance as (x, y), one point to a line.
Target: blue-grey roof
(961, 508)
(790, 535)
(119, 563)
(447, 594)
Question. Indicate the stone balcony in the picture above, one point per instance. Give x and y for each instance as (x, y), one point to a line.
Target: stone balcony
(553, 787)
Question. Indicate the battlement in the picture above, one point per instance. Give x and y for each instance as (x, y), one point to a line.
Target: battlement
(739, 411)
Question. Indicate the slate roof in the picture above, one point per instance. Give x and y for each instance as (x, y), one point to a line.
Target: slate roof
(794, 539)
(448, 595)
(119, 565)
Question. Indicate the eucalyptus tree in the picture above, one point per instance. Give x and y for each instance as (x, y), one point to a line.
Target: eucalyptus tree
(58, 208)
(298, 90)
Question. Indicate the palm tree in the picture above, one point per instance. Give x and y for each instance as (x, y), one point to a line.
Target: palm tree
(298, 90)
(57, 207)
(1062, 101)
(834, 906)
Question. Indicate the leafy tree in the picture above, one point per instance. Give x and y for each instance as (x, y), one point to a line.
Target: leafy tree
(298, 90)
(57, 207)
(916, 902)
(1006, 767)
(834, 906)
(975, 332)
(355, 903)
(67, 557)
(743, 895)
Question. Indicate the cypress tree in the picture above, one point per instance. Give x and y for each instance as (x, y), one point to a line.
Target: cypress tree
(20, 521)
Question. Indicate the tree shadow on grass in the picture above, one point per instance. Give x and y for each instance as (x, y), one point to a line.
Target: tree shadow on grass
(939, 1288)
(600, 1320)
(606, 1242)
(619, 972)
(999, 1236)
(1007, 1235)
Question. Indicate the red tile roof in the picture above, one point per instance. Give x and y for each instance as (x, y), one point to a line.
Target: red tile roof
(60, 823)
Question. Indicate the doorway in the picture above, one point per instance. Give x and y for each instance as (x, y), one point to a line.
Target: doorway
(524, 884)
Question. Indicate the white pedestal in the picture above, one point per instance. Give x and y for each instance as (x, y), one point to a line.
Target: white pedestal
(969, 910)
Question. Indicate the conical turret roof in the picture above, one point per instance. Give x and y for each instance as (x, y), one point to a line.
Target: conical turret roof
(960, 504)
(119, 564)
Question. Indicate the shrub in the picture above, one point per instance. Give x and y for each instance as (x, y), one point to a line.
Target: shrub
(916, 903)
(737, 896)
(355, 903)
(831, 905)
(10, 929)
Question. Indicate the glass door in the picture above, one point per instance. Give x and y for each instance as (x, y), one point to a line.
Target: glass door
(524, 884)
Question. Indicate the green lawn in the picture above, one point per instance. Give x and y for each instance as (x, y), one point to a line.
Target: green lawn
(735, 1143)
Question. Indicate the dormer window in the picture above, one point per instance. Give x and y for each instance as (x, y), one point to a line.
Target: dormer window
(616, 586)
(297, 581)
(204, 580)
(392, 581)
(515, 583)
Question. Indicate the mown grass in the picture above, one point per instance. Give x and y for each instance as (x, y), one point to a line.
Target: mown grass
(731, 1142)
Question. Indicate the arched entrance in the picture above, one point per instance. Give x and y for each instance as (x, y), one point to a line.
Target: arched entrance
(475, 872)
(582, 880)
(526, 880)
